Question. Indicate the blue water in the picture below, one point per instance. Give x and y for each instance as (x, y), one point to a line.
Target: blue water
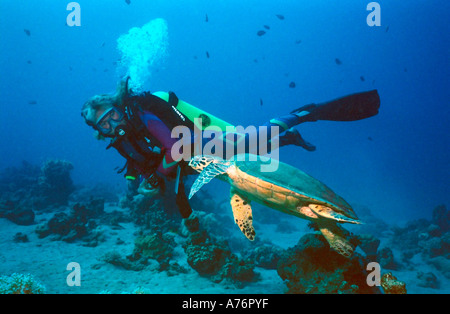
(396, 163)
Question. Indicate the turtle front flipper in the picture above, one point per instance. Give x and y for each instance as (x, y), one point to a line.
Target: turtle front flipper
(242, 212)
(327, 212)
(216, 166)
(336, 237)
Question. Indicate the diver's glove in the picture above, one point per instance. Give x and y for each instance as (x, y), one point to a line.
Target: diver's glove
(151, 186)
(132, 187)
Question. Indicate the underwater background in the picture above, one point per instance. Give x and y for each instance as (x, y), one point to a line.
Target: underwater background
(393, 168)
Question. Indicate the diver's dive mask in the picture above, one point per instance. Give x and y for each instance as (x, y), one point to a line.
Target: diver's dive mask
(109, 120)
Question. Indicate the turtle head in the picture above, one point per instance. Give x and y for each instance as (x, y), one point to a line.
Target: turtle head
(200, 162)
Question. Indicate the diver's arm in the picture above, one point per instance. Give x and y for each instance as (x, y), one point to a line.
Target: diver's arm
(163, 134)
(132, 176)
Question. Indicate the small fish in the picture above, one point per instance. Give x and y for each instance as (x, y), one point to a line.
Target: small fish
(261, 101)
(103, 45)
(27, 32)
(298, 41)
(255, 60)
(338, 62)
(281, 17)
(206, 18)
(101, 59)
(260, 33)
(362, 78)
(70, 68)
(370, 139)
(292, 85)
(266, 26)
(128, 2)
(32, 102)
(29, 61)
(405, 70)
(105, 70)
(195, 57)
(207, 54)
(387, 28)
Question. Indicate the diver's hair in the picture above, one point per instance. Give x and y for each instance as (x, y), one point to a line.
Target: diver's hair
(104, 101)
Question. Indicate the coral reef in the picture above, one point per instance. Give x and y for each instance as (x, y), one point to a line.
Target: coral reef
(55, 184)
(108, 192)
(369, 244)
(213, 258)
(156, 246)
(427, 280)
(205, 256)
(150, 214)
(266, 255)
(20, 284)
(116, 259)
(442, 264)
(312, 267)
(149, 248)
(20, 237)
(18, 180)
(18, 215)
(391, 285)
(77, 225)
(386, 259)
(37, 188)
(431, 239)
(373, 225)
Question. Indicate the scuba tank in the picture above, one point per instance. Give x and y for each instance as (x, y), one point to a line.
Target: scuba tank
(194, 114)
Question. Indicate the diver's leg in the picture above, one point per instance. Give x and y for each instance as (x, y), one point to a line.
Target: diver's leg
(286, 122)
(259, 140)
(293, 137)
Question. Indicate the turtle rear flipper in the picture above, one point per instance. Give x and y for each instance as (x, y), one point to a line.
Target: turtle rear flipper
(242, 212)
(336, 237)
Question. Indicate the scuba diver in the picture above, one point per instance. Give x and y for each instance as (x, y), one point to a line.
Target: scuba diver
(140, 126)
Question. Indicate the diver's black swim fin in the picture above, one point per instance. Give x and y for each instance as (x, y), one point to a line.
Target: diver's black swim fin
(348, 108)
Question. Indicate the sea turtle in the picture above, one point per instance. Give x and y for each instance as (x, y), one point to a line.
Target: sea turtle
(286, 189)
